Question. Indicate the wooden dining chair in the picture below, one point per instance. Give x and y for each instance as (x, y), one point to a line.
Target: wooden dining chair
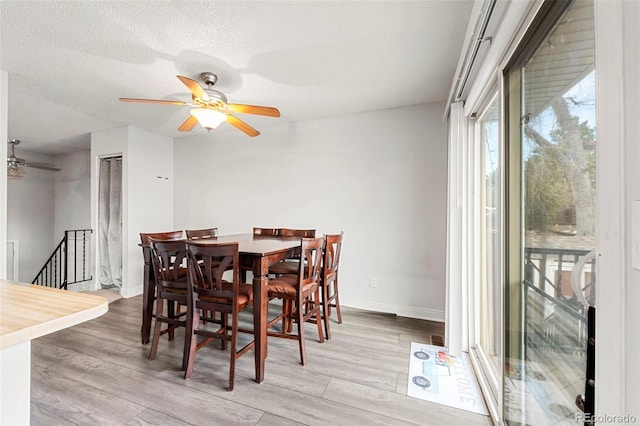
(303, 290)
(268, 232)
(170, 235)
(169, 261)
(302, 233)
(329, 282)
(198, 234)
(209, 292)
(149, 278)
(290, 266)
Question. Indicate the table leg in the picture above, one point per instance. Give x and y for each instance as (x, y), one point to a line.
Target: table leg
(260, 308)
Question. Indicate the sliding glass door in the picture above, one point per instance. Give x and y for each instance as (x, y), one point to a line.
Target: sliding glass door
(550, 215)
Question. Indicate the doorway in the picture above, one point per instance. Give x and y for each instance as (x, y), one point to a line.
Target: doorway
(110, 223)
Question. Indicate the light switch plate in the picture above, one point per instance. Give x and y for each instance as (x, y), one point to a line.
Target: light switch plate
(635, 234)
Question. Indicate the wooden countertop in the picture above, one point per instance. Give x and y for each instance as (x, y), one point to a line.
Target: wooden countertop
(30, 311)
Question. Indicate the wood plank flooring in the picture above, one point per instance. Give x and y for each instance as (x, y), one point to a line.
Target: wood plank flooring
(98, 373)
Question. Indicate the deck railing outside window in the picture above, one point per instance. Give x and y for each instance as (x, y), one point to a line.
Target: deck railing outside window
(556, 319)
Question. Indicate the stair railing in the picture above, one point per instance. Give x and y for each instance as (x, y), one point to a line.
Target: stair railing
(68, 264)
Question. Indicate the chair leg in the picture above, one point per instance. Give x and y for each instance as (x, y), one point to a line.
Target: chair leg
(287, 310)
(187, 342)
(325, 311)
(223, 323)
(171, 313)
(284, 315)
(156, 329)
(193, 342)
(337, 299)
(301, 341)
(316, 307)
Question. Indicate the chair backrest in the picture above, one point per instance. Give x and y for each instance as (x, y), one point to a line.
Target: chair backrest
(207, 263)
(197, 234)
(168, 257)
(272, 232)
(332, 247)
(171, 235)
(310, 261)
(302, 233)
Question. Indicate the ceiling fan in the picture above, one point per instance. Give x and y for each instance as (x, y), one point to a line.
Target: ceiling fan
(15, 165)
(211, 107)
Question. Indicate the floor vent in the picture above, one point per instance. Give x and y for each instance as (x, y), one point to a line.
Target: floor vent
(437, 340)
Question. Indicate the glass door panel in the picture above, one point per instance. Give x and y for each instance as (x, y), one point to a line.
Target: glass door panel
(552, 137)
(490, 306)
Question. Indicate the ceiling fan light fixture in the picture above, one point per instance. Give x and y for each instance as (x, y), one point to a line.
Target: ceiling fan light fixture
(208, 118)
(211, 107)
(15, 172)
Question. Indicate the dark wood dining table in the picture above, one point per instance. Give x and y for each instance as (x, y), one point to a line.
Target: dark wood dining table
(256, 254)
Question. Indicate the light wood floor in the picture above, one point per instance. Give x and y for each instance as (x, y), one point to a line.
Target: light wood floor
(98, 373)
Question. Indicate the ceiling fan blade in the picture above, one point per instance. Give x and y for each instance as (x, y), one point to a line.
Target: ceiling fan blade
(241, 125)
(154, 101)
(194, 87)
(43, 166)
(188, 124)
(254, 109)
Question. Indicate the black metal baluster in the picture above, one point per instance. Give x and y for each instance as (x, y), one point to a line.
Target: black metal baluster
(75, 255)
(66, 259)
(84, 249)
(55, 271)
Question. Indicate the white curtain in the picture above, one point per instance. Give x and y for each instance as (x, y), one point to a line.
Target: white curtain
(110, 222)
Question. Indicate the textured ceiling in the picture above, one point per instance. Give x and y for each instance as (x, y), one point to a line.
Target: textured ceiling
(69, 62)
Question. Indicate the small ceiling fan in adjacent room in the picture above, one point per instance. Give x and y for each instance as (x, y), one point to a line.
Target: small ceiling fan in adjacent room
(15, 165)
(211, 108)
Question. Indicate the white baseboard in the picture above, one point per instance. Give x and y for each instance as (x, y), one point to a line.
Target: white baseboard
(402, 311)
(128, 292)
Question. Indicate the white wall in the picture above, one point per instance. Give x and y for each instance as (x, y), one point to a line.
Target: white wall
(30, 216)
(150, 203)
(147, 197)
(380, 177)
(631, 55)
(4, 100)
(73, 191)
